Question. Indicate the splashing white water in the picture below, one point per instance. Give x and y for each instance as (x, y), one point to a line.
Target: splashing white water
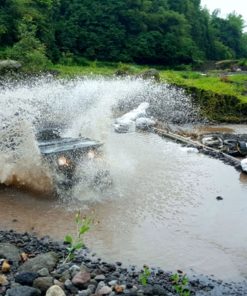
(81, 106)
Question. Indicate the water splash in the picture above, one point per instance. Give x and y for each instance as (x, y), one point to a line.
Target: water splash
(81, 106)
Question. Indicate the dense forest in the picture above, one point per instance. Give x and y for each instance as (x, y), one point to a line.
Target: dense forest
(165, 32)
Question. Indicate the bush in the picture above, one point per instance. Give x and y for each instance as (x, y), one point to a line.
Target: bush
(183, 67)
(69, 59)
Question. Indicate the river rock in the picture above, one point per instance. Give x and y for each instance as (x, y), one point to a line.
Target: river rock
(112, 283)
(100, 277)
(23, 291)
(150, 74)
(74, 269)
(55, 291)
(85, 293)
(65, 276)
(100, 285)
(105, 290)
(26, 278)
(47, 260)
(43, 272)
(10, 252)
(81, 279)
(159, 290)
(43, 283)
(70, 287)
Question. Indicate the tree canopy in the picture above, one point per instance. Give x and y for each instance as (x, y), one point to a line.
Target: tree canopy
(166, 32)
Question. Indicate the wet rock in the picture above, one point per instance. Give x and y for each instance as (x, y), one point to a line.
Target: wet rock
(55, 291)
(65, 276)
(2, 290)
(104, 290)
(219, 198)
(150, 74)
(100, 286)
(9, 252)
(121, 72)
(47, 260)
(158, 290)
(92, 288)
(84, 268)
(74, 269)
(9, 65)
(81, 279)
(100, 277)
(85, 293)
(112, 283)
(43, 283)
(26, 278)
(23, 291)
(43, 272)
(70, 287)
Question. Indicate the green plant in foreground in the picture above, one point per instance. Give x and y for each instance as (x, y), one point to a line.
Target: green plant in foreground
(76, 242)
(143, 278)
(180, 284)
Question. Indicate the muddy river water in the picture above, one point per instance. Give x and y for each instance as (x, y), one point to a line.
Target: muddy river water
(161, 209)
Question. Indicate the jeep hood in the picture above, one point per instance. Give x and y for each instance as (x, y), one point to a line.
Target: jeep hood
(67, 145)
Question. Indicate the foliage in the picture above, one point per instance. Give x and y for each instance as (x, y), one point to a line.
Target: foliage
(144, 276)
(165, 32)
(209, 82)
(76, 242)
(180, 284)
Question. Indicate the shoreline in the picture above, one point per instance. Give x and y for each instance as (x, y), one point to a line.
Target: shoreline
(42, 267)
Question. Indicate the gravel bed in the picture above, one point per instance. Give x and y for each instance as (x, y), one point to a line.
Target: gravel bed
(31, 266)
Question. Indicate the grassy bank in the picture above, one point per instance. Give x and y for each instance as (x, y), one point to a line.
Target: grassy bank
(232, 85)
(221, 97)
(96, 68)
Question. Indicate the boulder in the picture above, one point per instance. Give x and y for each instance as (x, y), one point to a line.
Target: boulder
(9, 65)
(26, 278)
(9, 252)
(152, 74)
(47, 260)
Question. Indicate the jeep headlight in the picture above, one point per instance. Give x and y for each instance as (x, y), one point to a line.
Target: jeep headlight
(91, 154)
(63, 161)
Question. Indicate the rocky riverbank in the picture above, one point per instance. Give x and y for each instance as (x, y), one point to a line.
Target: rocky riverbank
(33, 267)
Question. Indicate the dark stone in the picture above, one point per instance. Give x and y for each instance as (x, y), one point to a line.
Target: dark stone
(148, 290)
(26, 278)
(47, 260)
(23, 291)
(219, 198)
(150, 74)
(43, 283)
(159, 290)
(9, 65)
